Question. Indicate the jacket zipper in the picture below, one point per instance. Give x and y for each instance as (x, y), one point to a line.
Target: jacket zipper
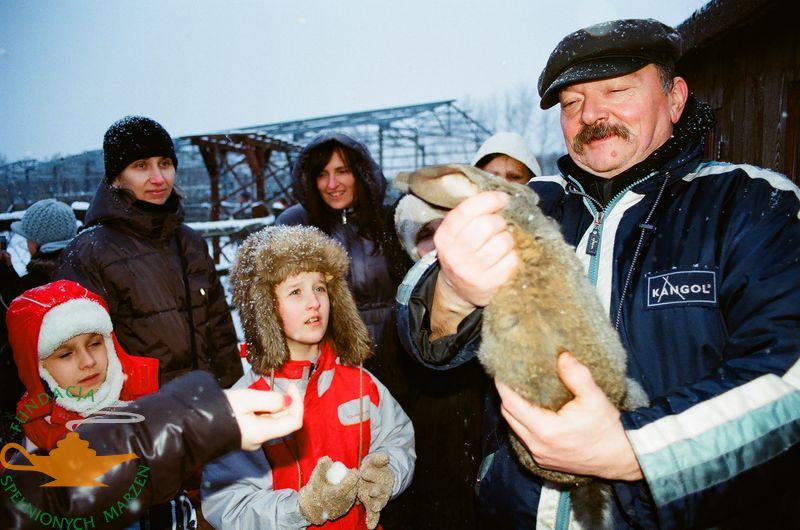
(593, 244)
(645, 227)
(594, 238)
(600, 214)
(562, 512)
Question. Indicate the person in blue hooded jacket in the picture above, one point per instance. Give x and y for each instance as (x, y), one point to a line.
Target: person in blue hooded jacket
(340, 189)
(697, 263)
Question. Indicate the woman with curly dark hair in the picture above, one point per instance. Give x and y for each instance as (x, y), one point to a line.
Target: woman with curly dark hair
(340, 189)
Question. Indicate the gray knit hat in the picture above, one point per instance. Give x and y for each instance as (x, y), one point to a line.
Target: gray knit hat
(49, 223)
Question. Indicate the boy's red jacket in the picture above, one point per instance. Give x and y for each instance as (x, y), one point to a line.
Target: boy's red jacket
(294, 458)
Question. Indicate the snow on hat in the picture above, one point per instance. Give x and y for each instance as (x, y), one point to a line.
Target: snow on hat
(43, 318)
(49, 223)
(509, 144)
(605, 50)
(411, 216)
(133, 138)
(267, 258)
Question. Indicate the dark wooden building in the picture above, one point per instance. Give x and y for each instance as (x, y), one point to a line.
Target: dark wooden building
(743, 57)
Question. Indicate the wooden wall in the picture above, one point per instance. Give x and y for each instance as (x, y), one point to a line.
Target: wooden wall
(743, 58)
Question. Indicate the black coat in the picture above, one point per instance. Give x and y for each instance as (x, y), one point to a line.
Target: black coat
(201, 427)
(137, 257)
(447, 410)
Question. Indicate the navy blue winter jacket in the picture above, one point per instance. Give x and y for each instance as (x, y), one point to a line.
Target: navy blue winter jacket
(698, 265)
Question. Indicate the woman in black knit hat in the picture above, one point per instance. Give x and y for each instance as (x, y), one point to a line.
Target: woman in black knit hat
(162, 289)
(161, 286)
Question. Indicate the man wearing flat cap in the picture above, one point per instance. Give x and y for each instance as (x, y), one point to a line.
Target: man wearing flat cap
(697, 263)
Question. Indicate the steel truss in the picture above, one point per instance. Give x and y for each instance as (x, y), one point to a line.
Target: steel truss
(258, 160)
(400, 138)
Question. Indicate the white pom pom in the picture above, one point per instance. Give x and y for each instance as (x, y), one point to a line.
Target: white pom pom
(336, 473)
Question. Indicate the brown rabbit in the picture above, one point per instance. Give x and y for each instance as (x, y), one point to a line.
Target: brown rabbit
(547, 307)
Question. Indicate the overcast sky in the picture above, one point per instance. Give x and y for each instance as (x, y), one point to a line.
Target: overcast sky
(70, 68)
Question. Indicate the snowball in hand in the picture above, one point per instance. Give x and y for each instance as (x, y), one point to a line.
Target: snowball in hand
(336, 473)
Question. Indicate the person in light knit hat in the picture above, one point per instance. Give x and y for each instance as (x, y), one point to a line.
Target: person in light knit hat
(506, 154)
(48, 225)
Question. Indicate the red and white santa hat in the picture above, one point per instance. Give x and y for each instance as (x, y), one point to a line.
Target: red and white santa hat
(70, 319)
(43, 318)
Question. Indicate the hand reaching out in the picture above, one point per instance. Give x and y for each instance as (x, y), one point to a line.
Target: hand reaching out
(265, 415)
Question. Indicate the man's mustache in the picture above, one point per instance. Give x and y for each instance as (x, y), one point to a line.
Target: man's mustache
(598, 131)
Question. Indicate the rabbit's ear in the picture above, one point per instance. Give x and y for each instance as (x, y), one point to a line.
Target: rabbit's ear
(444, 186)
(401, 181)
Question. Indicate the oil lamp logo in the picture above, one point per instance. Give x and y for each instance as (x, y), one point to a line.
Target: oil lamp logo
(72, 463)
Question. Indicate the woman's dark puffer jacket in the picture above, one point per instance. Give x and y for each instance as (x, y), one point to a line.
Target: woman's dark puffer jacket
(133, 254)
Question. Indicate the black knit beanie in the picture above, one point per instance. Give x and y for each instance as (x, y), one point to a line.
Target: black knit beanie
(133, 138)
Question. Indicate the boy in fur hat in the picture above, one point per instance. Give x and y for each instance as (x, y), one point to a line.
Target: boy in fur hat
(301, 325)
(72, 366)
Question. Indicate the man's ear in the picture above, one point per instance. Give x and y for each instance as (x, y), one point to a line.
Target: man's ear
(678, 95)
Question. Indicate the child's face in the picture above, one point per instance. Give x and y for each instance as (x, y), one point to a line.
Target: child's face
(80, 362)
(304, 308)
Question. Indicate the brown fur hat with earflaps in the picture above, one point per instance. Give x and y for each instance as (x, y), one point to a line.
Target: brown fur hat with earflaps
(268, 257)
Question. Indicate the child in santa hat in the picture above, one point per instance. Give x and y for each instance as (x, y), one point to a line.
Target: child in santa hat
(355, 450)
(72, 366)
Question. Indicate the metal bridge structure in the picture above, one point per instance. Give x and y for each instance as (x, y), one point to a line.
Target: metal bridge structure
(255, 162)
(249, 168)
(399, 138)
(245, 173)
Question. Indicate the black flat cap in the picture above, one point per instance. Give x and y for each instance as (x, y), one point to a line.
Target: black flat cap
(608, 49)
